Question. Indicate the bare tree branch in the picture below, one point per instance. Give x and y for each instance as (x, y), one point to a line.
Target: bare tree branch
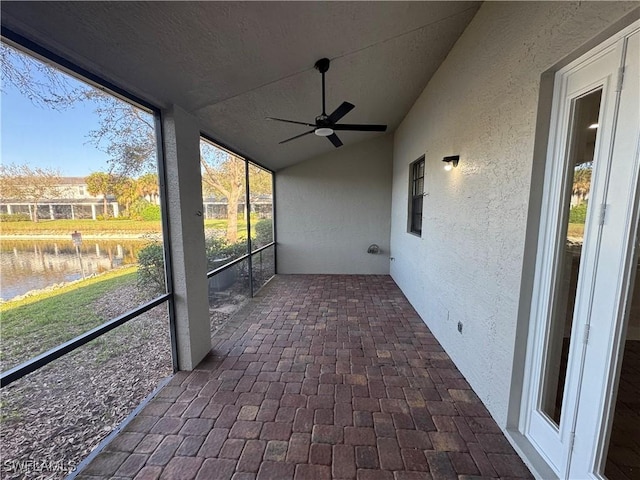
(33, 185)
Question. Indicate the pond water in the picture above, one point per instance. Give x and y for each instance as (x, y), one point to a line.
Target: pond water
(27, 265)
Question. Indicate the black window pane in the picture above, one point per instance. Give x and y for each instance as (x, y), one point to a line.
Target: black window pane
(416, 187)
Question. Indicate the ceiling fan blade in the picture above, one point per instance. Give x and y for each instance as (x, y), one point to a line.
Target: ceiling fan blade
(297, 136)
(361, 128)
(341, 111)
(291, 121)
(333, 138)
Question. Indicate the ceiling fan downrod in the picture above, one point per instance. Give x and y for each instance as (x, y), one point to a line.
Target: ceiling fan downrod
(322, 66)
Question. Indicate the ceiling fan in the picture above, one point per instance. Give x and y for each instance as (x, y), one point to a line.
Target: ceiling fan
(325, 125)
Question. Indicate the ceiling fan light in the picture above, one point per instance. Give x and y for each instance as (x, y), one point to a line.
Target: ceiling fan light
(323, 131)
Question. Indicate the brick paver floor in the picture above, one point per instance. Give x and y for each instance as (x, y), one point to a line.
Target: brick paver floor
(318, 377)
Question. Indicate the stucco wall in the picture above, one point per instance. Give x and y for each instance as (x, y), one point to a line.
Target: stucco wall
(331, 208)
(184, 201)
(482, 105)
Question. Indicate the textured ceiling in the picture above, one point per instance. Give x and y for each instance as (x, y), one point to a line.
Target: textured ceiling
(233, 63)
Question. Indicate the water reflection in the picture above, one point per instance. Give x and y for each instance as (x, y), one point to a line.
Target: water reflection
(27, 265)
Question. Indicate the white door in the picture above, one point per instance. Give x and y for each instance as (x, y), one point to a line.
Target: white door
(616, 267)
(585, 255)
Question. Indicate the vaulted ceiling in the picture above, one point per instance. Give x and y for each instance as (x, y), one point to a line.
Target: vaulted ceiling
(232, 64)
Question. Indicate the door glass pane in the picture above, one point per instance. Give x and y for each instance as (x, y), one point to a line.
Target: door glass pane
(583, 131)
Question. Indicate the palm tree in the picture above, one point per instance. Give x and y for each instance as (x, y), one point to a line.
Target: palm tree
(126, 192)
(581, 182)
(101, 183)
(147, 187)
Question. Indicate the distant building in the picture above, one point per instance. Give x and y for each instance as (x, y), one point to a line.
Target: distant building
(73, 202)
(216, 208)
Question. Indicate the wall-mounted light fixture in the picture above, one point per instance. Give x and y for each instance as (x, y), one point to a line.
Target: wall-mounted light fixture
(451, 162)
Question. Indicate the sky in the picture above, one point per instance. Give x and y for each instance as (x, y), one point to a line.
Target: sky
(42, 137)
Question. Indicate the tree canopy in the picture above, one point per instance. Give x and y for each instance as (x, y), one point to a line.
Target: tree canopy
(127, 134)
(24, 183)
(102, 184)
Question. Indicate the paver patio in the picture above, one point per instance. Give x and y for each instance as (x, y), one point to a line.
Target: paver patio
(320, 376)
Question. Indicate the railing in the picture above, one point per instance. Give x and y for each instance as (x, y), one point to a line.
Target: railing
(249, 258)
(238, 260)
(231, 285)
(263, 260)
(49, 356)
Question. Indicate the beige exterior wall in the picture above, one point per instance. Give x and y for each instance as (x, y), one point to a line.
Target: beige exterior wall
(483, 105)
(331, 208)
(75, 188)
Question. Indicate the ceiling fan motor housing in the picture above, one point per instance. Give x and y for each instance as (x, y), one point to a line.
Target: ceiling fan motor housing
(323, 121)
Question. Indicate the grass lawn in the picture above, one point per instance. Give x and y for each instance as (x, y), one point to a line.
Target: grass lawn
(84, 226)
(37, 323)
(112, 227)
(222, 225)
(575, 230)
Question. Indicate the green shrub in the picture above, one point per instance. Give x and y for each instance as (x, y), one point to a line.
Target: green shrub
(136, 207)
(236, 250)
(144, 210)
(217, 248)
(151, 213)
(214, 248)
(151, 268)
(15, 217)
(578, 214)
(264, 233)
